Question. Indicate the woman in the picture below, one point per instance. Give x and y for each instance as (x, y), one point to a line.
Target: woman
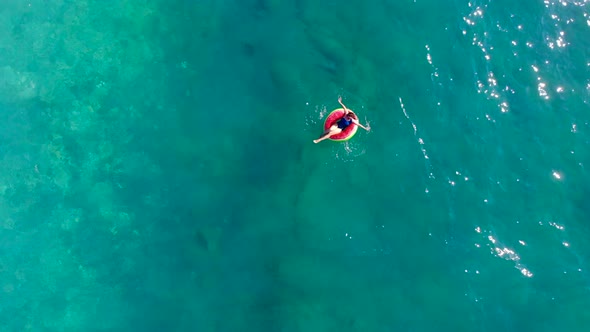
(346, 120)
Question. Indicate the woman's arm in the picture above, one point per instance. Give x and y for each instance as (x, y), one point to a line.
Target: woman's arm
(346, 110)
(356, 122)
(354, 117)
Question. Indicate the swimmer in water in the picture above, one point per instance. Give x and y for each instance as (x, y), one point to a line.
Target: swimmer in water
(346, 120)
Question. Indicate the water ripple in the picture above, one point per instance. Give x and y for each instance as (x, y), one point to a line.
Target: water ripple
(420, 142)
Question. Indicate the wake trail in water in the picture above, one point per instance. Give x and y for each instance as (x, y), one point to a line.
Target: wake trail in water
(420, 141)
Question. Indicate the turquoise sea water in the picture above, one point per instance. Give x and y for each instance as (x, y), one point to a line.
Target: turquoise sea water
(158, 172)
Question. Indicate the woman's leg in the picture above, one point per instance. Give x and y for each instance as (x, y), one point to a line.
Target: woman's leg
(329, 133)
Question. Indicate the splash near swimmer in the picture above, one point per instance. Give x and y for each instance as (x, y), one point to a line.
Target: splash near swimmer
(340, 125)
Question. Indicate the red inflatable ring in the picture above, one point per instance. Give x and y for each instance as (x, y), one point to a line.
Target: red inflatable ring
(347, 133)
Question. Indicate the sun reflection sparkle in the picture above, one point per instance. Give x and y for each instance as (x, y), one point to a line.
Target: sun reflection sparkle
(504, 252)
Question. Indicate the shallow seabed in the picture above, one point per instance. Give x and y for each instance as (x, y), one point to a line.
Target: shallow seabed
(158, 171)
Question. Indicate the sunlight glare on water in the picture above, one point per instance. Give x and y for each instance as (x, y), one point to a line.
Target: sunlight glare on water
(535, 65)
